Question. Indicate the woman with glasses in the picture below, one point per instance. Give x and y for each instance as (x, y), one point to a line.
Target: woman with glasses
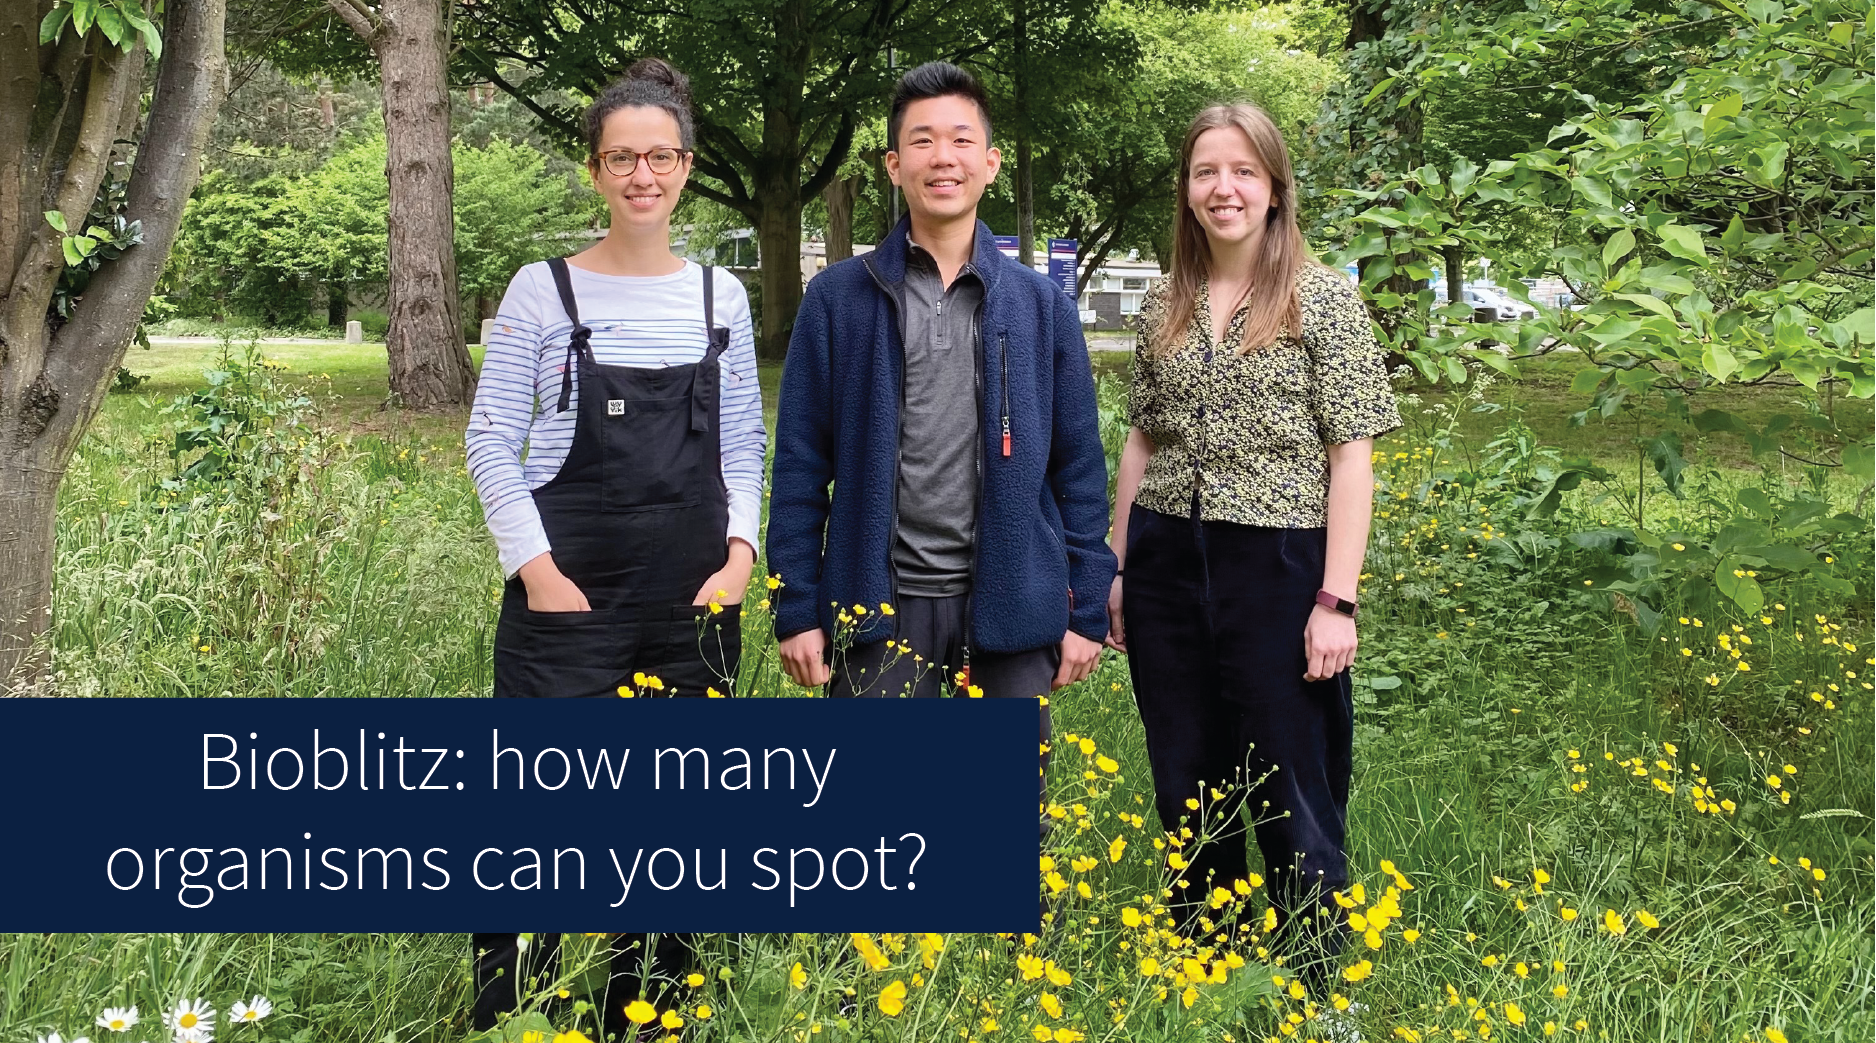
(1242, 515)
(616, 443)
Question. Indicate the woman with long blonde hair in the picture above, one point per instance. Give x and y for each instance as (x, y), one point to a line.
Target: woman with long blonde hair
(1242, 511)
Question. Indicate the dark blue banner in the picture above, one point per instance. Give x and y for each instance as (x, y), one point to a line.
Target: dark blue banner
(717, 815)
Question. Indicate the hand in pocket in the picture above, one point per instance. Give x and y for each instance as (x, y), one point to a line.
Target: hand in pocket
(549, 590)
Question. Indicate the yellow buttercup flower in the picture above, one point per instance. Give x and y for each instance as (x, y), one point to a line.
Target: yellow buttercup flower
(892, 999)
(640, 1013)
(1613, 921)
(798, 977)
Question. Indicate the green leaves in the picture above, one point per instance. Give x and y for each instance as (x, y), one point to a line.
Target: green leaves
(53, 23)
(1731, 578)
(1617, 247)
(1664, 451)
(122, 22)
(1683, 242)
(1717, 359)
(77, 248)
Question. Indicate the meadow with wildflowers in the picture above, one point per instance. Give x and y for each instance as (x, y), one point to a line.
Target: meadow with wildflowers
(1593, 800)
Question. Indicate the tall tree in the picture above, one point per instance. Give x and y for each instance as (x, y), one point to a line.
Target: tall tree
(1111, 102)
(429, 361)
(1054, 57)
(69, 99)
(779, 85)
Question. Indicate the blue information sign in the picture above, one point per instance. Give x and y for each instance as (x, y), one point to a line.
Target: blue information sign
(1062, 264)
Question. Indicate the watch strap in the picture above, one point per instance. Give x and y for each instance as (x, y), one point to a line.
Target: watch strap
(1330, 601)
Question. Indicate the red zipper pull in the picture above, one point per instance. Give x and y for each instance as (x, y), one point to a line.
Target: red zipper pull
(1006, 436)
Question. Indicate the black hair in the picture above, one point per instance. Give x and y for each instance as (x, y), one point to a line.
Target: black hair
(934, 80)
(652, 83)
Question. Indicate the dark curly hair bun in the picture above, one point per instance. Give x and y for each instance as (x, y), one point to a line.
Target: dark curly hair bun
(657, 70)
(649, 83)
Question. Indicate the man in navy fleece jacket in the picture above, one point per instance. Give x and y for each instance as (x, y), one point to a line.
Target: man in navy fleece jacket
(944, 392)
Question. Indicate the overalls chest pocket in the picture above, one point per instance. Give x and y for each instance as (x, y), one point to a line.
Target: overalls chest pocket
(656, 434)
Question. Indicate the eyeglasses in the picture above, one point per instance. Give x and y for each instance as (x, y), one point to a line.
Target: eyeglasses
(621, 162)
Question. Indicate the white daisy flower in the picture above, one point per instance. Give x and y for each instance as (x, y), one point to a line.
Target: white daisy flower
(117, 1019)
(195, 1035)
(56, 1038)
(191, 1016)
(253, 1010)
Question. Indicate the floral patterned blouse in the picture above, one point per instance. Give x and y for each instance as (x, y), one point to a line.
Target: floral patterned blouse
(1249, 431)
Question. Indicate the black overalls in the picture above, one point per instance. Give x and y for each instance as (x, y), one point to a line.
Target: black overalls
(638, 519)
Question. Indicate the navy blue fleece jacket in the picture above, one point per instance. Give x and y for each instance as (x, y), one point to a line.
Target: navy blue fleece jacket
(1042, 562)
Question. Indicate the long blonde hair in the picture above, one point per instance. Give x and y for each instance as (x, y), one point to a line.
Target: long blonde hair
(1274, 311)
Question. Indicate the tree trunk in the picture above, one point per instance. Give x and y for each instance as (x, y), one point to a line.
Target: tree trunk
(1025, 147)
(1392, 146)
(886, 190)
(1094, 262)
(839, 196)
(778, 245)
(337, 305)
(778, 192)
(1455, 258)
(29, 492)
(429, 363)
(63, 107)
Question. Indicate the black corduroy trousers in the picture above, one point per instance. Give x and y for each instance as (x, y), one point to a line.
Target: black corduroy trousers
(1214, 615)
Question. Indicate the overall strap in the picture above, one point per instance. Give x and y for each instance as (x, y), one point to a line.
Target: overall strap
(710, 322)
(577, 342)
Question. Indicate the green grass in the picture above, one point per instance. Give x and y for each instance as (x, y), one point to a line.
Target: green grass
(351, 377)
(1541, 396)
(370, 573)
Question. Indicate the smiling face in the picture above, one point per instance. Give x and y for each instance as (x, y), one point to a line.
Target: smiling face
(640, 198)
(944, 160)
(1227, 187)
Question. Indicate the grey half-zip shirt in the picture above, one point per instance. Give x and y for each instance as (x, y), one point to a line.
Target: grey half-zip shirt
(939, 433)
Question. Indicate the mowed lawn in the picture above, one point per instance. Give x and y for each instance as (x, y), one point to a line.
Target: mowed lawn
(349, 380)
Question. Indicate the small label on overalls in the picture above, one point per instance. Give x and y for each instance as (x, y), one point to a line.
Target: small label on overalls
(615, 407)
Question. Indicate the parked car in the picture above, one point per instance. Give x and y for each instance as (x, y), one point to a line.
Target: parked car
(1489, 303)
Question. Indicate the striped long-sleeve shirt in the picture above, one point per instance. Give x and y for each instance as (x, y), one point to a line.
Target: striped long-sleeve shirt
(517, 441)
